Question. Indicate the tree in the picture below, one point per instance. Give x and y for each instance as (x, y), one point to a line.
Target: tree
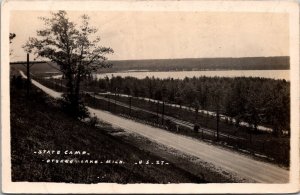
(11, 37)
(196, 106)
(202, 95)
(179, 97)
(235, 105)
(70, 46)
(278, 104)
(216, 98)
(189, 92)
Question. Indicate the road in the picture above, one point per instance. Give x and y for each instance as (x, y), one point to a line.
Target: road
(241, 165)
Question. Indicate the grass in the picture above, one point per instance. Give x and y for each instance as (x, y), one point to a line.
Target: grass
(37, 123)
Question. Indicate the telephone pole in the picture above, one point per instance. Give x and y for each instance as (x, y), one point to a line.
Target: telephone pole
(163, 113)
(218, 119)
(28, 75)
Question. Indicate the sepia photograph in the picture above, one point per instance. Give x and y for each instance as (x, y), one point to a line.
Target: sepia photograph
(150, 96)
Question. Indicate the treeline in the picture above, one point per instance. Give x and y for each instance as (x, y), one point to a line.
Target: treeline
(187, 64)
(257, 101)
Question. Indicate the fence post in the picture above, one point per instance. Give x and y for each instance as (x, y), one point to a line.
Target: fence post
(218, 118)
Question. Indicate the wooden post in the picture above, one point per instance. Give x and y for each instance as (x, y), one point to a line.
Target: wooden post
(163, 112)
(115, 105)
(108, 102)
(28, 74)
(157, 110)
(250, 136)
(218, 118)
(129, 105)
(61, 80)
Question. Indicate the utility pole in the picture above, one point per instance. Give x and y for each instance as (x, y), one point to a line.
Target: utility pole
(108, 103)
(157, 110)
(163, 112)
(28, 75)
(130, 105)
(115, 105)
(218, 119)
(61, 81)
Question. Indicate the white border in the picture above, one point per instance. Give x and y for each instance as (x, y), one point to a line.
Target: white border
(290, 7)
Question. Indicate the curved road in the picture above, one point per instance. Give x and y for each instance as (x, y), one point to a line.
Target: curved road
(241, 165)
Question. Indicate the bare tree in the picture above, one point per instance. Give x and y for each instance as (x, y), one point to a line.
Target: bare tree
(75, 48)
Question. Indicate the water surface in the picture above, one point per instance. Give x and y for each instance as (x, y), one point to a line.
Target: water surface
(273, 74)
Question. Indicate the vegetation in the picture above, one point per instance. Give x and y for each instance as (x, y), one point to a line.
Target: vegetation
(75, 49)
(257, 101)
(11, 37)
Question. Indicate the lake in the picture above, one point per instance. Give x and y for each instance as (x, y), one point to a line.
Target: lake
(273, 74)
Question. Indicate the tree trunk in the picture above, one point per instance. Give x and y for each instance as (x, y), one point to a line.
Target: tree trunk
(77, 91)
(69, 84)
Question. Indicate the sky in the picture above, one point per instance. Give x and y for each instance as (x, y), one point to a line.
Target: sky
(165, 35)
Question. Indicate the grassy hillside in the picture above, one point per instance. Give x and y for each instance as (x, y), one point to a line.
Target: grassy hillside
(251, 63)
(37, 123)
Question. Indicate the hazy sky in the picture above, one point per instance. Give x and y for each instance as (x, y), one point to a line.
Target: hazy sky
(155, 35)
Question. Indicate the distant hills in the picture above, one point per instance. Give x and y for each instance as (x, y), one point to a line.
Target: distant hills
(187, 64)
(247, 63)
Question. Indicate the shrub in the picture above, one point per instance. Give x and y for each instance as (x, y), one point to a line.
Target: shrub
(93, 121)
(78, 111)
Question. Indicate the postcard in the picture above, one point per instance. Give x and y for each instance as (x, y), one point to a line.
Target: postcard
(150, 96)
